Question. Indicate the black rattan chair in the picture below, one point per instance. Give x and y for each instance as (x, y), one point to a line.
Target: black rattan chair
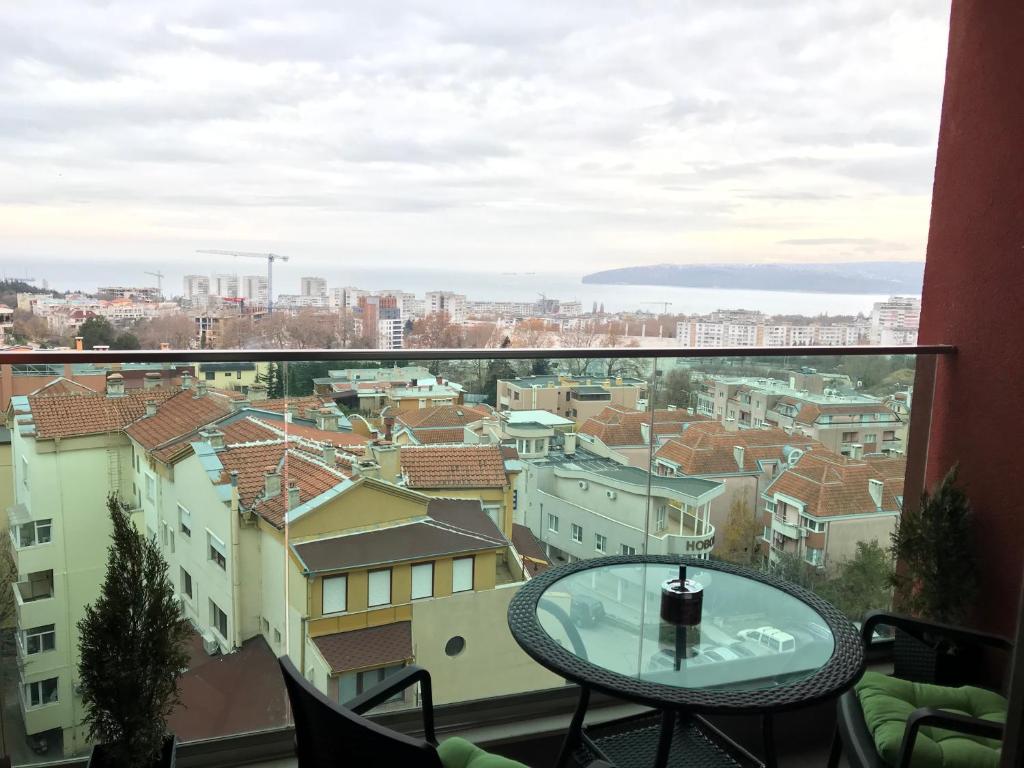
(924, 652)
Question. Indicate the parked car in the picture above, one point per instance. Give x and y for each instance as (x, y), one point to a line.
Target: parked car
(769, 637)
(586, 611)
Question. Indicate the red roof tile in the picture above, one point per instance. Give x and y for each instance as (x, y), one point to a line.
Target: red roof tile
(829, 484)
(711, 451)
(88, 413)
(462, 466)
(178, 416)
(366, 648)
(442, 416)
(619, 426)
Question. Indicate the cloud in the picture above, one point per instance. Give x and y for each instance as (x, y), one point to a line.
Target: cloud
(429, 125)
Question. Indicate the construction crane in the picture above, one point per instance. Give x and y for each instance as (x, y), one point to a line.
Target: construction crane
(159, 282)
(270, 257)
(663, 304)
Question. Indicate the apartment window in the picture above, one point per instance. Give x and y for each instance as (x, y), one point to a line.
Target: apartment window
(184, 521)
(216, 550)
(553, 523)
(186, 583)
(493, 511)
(577, 533)
(33, 533)
(764, 533)
(660, 519)
(422, 580)
(870, 439)
(379, 587)
(814, 556)
(39, 639)
(600, 542)
(849, 437)
(889, 434)
(210, 375)
(335, 594)
(625, 549)
(769, 505)
(150, 487)
(266, 626)
(817, 526)
(41, 693)
(462, 574)
(219, 619)
(277, 636)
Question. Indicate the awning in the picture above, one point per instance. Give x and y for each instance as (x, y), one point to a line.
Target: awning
(18, 515)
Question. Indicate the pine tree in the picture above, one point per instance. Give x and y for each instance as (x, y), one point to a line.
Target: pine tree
(131, 647)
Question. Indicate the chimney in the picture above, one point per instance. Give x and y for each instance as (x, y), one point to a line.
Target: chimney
(79, 343)
(328, 454)
(236, 405)
(151, 380)
(389, 427)
(737, 454)
(875, 489)
(115, 385)
(200, 389)
(186, 380)
(150, 408)
(164, 346)
(326, 420)
(214, 437)
(271, 482)
(569, 446)
(293, 496)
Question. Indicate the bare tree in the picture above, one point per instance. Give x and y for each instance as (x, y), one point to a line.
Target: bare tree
(30, 327)
(178, 330)
(532, 333)
(435, 331)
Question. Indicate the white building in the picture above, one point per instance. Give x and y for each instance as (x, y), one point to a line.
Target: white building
(452, 304)
(196, 289)
(347, 298)
(225, 286)
(299, 301)
(896, 321)
(313, 286)
(254, 289)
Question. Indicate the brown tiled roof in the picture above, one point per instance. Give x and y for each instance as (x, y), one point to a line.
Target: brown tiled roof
(280, 405)
(462, 466)
(527, 545)
(62, 386)
(367, 648)
(441, 416)
(88, 413)
(446, 436)
(829, 484)
(178, 416)
(710, 451)
(465, 515)
(619, 426)
(337, 439)
(419, 540)
(811, 412)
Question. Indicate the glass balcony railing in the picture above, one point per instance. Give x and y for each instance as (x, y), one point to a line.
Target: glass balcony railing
(360, 511)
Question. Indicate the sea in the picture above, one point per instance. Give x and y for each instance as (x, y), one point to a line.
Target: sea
(476, 285)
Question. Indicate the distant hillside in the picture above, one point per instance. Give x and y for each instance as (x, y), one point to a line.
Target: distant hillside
(889, 277)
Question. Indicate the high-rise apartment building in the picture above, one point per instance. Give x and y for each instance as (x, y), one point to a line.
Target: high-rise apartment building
(895, 321)
(313, 286)
(254, 289)
(382, 320)
(224, 285)
(451, 304)
(196, 289)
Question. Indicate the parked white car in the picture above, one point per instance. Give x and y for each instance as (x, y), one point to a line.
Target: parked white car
(769, 637)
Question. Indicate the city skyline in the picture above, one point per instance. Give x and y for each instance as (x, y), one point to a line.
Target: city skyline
(608, 138)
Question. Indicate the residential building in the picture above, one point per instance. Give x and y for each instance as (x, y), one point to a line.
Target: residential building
(751, 330)
(446, 302)
(625, 435)
(6, 321)
(422, 393)
(301, 301)
(196, 290)
(313, 286)
(823, 504)
(142, 294)
(225, 286)
(576, 397)
(581, 505)
(382, 321)
(347, 298)
(895, 322)
(442, 424)
(254, 289)
(745, 462)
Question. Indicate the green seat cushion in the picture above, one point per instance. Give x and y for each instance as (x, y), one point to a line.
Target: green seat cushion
(888, 701)
(459, 753)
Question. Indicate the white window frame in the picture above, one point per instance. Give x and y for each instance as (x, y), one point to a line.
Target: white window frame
(36, 526)
(600, 543)
(47, 629)
(215, 546)
(576, 532)
(423, 575)
(493, 511)
(184, 521)
(459, 581)
(376, 581)
(552, 523)
(190, 592)
(625, 549)
(38, 685)
(215, 613)
(337, 601)
(661, 518)
(150, 486)
(24, 471)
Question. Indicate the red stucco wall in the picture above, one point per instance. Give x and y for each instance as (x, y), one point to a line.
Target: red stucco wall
(974, 289)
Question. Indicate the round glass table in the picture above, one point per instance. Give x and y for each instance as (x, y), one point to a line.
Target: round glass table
(762, 644)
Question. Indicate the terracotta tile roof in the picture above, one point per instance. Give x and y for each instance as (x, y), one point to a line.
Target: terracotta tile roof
(303, 404)
(446, 436)
(811, 412)
(88, 413)
(462, 466)
(62, 386)
(442, 416)
(367, 648)
(178, 416)
(619, 426)
(337, 439)
(830, 485)
(527, 545)
(709, 451)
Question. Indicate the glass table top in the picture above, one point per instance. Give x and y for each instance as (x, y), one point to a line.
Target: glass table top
(751, 636)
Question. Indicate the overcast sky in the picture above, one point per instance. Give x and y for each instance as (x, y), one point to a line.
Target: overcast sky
(557, 135)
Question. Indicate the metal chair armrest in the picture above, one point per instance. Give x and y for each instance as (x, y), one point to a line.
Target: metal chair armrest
(396, 683)
(950, 721)
(916, 627)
